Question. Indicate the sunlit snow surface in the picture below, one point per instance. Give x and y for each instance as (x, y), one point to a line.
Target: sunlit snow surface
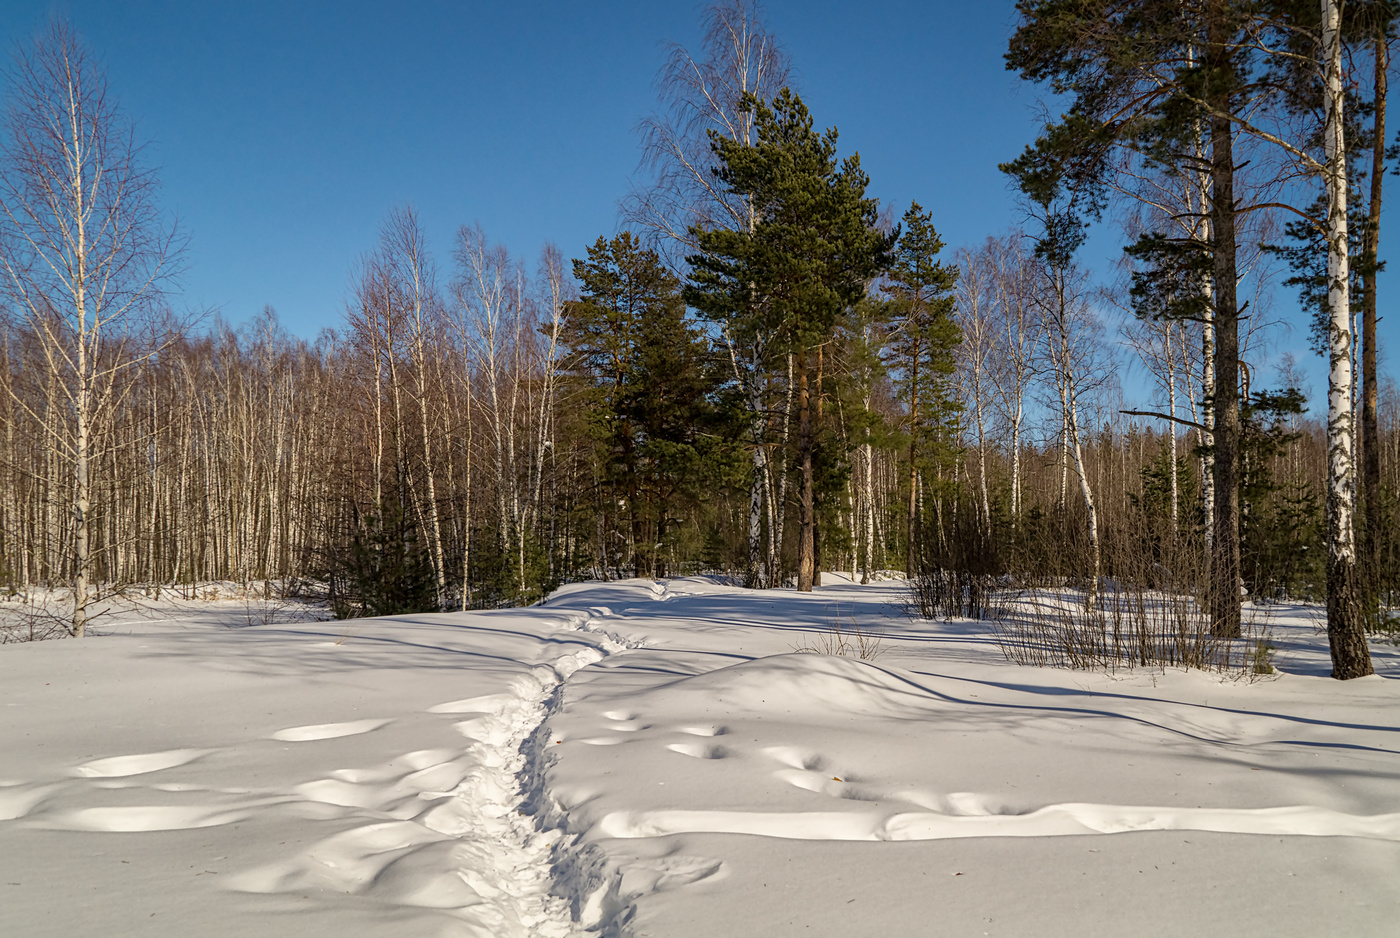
(658, 759)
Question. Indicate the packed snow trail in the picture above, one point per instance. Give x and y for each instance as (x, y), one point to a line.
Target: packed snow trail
(498, 850)
(495, 876)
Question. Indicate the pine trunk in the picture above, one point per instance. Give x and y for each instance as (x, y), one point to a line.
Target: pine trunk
(806, 539)
(911, 551)
(1225, 550)
(1370, 430)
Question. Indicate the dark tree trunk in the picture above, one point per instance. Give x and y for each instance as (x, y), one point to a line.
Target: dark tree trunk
(1351, 657)
(816, 518)
(911, 556)
(806, 540)
(1225, 554)
(1370, 431)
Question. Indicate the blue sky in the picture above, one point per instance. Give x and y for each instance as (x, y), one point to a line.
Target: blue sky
(285, 131)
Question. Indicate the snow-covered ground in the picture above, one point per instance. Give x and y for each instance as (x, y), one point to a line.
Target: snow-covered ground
(665, 759)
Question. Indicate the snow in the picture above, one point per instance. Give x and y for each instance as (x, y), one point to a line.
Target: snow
(670, 758)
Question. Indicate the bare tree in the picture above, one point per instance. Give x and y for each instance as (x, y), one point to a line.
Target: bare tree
(1014, 280)
(1072, 354)
(977, 355)
(740, 57)
(413, 288)
(85, 252)
(1160, 345)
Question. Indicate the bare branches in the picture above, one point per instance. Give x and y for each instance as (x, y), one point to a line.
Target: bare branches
(84, 249)
(699, 97)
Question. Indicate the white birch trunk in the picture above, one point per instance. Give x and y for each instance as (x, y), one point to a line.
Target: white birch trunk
(1341, 474)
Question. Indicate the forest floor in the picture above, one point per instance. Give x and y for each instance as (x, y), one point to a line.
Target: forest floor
(673, 759)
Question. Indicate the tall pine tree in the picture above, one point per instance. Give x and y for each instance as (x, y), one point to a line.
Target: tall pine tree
(921, 354)
(809, 257)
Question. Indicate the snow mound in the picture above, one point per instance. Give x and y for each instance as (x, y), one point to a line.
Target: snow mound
(805, 683)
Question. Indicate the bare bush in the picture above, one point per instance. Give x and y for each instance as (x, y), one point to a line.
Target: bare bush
(961, 572)
(953, 594)
(844, 641)
(33, 617)
(1129, 626)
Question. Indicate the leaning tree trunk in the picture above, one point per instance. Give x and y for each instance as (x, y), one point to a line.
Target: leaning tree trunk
(1346, 632)
(1090, 507)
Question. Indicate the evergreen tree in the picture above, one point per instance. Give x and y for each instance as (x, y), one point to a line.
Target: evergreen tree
(920, 353)
(807, 259)
(1157, 85)
(1280, 528)
(386, 571)
(642, 370)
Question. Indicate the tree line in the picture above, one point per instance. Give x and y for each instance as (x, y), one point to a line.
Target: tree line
(766, 372)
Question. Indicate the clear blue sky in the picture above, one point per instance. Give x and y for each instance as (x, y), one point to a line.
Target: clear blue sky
(285, 131)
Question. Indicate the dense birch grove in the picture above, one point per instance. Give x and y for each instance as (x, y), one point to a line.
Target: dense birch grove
(765, 375)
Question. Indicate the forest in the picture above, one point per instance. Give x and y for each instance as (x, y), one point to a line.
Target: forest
(757, 369)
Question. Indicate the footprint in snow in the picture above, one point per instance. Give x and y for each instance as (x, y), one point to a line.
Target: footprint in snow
(709, 729)
(631, 726)
(625, 721)
(18, 799)
(699, 750)
(796, 758)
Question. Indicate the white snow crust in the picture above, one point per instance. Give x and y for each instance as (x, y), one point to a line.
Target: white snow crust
(662, 759)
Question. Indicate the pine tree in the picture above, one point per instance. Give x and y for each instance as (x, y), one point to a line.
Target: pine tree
(921, 354)
(641, 368)
(810, 256)
(1156, 84)
(386, 571)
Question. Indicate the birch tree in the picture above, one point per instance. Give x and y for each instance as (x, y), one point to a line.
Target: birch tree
(1346, 633)
(976, 357)
(85, 252)
(413, 287)
(1070, 350)
(1014, 280)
